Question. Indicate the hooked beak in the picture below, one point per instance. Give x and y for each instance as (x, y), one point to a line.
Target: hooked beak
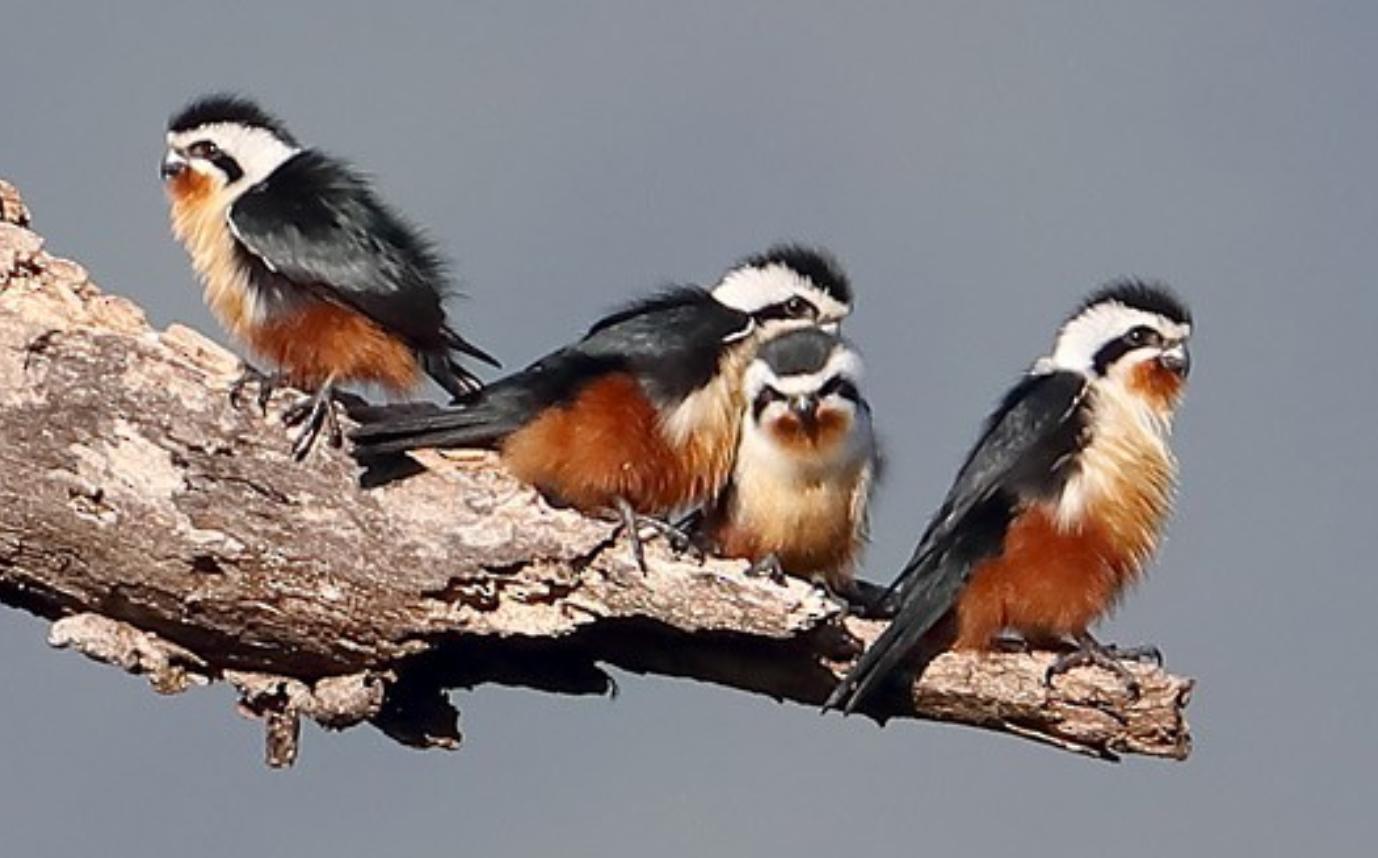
(1176, 360)
(173, 165)
(805, 409)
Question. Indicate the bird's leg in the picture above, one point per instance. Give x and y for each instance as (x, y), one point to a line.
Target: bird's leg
(678, 535)
(1090, 653)
(314, 413)
(630, 524)
(267, 383)
(767, 567)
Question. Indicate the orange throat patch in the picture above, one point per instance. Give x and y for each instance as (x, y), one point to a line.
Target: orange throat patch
(1161, 387)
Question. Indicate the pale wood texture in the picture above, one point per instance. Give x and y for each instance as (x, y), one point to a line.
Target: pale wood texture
(166, 533)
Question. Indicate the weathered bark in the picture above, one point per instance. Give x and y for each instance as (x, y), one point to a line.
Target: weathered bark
(171, 535)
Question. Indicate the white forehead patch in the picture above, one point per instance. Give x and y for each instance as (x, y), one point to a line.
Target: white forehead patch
(257, 150)
(753, 288)
(843, 363)
(1084, 335)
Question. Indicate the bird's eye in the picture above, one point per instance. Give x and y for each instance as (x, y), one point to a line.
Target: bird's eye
(1142, 336)
(203, 149)
(797, 307)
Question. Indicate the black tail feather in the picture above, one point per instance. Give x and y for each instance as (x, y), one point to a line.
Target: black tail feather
(463, 346)
(928, 588)
(457, 381)
(390, 429)
(441, 365)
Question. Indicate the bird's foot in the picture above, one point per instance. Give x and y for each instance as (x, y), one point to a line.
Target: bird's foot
(680, 539)
(1090, 653)
(267, 383)
(1143, 654)
(865, 602)
(768, 567)
(1011, 646)
(678, 536)
(315, 414)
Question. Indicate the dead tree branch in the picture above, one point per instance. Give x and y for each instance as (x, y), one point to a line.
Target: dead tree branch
(166, 533)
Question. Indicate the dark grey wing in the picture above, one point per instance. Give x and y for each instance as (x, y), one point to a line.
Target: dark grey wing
(319, 224)
(1022, 455)
(670, 343)
(673, 342)
(1033, 429)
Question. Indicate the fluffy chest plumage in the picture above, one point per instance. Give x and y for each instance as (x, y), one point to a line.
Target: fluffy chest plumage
(199, 222)
(1125, 475)
(1065, 562)
(806, 504)
(814, 527)
(705, 426)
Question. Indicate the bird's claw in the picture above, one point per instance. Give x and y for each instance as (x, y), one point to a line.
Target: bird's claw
(267, 383)
(1089, 653)
(680, 541)
(768, 567)
(314, 413)
(1144, 654)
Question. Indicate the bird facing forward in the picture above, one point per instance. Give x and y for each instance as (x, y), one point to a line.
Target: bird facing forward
(797, 500)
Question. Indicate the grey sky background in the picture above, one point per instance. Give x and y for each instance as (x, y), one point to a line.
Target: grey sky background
(978, 167)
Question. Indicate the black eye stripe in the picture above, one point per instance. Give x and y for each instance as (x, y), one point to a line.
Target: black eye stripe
(837, 385)
(1139, 337)
(793, 308)
(223, 161)
(228, 166)
(763, 401)
(842, 387)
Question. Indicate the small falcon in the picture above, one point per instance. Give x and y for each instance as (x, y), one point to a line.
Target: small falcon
(641, 416)
(801, 483)
(305, 265)
(1061, 503)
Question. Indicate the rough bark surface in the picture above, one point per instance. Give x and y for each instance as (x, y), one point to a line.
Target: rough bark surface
(164, 532)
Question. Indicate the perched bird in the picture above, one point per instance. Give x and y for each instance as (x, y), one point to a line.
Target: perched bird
(796, 503)
(1060, 504)
(305, 265)
(641, 416)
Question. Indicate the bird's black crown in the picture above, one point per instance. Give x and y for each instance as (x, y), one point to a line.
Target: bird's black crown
(227, 107)
(815, 263)
(800, 352)
(1151, 297)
